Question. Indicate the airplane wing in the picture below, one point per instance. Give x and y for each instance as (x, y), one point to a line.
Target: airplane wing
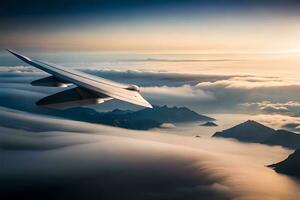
(97, 87)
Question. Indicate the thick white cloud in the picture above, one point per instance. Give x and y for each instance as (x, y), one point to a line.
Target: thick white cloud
(185, 91)
(68, 159)
(228, 95)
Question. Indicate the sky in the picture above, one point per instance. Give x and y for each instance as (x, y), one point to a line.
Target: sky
(158, 25)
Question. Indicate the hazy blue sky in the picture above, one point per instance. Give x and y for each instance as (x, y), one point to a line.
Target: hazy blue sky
(150, 25)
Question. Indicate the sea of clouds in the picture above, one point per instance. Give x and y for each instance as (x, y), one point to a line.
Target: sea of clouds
(49, 158)
(44, 157)
(205, 93)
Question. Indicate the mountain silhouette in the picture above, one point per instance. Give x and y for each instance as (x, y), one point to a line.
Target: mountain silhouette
(249, 131)
(252, 131)
(289, 166)
(166, 114)
(140, 120)
(209, 123)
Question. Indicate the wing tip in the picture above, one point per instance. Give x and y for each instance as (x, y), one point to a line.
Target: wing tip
(24, 58)
(11, 51)
(149, 106)
(146, 104)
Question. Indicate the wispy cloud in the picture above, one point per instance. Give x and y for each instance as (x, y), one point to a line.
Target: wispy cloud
(286, 108)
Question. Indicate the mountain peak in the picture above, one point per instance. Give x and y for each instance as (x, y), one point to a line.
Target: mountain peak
(249, 121)
(252, 131)
(248, 131)
(254, 123)
(209, 124)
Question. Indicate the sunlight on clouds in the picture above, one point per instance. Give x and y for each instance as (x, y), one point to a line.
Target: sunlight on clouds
(182, 91)
(201, 167)
(278, 121)
(236, 83)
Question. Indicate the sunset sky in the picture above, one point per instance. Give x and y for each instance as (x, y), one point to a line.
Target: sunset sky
(234, 62)
(226, 26)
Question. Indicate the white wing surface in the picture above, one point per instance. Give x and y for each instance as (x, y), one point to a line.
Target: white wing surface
(93, 84)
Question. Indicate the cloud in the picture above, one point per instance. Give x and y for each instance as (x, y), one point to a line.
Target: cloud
(256, 79)
(20, 140)
(247, 83)
(279, 121)
(178, 60)
(207, 93)
(291, 108)
(185, 95)
(231, 93)
(19, 69)
(167, 125)
(185, 91)
(154, 78)
(56, 158)
(201, 92)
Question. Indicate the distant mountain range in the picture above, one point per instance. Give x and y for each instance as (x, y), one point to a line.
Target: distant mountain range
(141, 120)
(252, 131)
(289, 166)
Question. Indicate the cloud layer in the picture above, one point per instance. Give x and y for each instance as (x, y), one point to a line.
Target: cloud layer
(49, 158)
(200, 92)
(68, 159)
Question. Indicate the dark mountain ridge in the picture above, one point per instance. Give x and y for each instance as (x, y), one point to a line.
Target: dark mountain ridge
(140, 120)
(289, 166)
(165, 114)
(251, 131)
